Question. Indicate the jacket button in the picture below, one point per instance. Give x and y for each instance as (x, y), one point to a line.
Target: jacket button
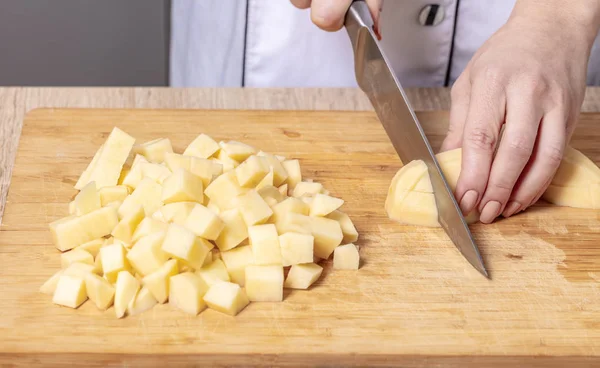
(431, 15)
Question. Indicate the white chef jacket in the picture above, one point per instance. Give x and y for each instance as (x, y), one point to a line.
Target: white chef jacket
(270, 43)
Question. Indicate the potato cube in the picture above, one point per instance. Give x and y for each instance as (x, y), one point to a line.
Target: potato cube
(328, 235)
(158, 281)
(72, 208)
(124, 172)
(283, 190)
(112, 194)
(302, 276)
(186, 292)
(177, 212)
(296, 248)
(100, 291)
(70, 291)
(84, 179)
(250, 172)
(50, 285)
(175, 161)
(92, 247)
(146, 256)
(98, 265)
(148, 226)
(226, 297)
(264, 242)
(204, 223)
(203, 146)
(143, 301)
(264, 283)
(75, 256)
(236, 261)
(271, 195)
(126, 288)
(87, 200)
(323, 205)
(156, 172)
(182, 186)
(293, 223)
(114, 260)
(183, 244)
(348, 229)
(308, 199)
(346, 257)
(226, 162)
(292, 167)
(303, 188)
(223, 189)
(280, 158)
(208, 260)
(234, 231)
(279, 173)
(254, 209)
(116, 205)
(267, 180)
(79, 269)
(133, 178)
(291, 205)
(69, 232)
(126, 227)
(236, 150)
(205, 169)
(147, 193)
(154, 150)
(214, 272)
(158, 216)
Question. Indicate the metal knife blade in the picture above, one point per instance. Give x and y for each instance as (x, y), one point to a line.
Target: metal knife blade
(376, 78)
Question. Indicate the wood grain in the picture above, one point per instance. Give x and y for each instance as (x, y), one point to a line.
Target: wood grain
(415, 302)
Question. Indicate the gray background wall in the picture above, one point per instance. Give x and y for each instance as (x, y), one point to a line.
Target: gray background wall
(84, 42)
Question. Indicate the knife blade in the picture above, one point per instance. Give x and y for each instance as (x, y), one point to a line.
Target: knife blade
(376, 78)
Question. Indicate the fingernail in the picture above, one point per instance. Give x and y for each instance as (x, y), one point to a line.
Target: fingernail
(490, 211)
(511, 208)
(468, 202)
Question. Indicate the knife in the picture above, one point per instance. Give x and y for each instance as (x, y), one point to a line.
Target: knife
(376, 78)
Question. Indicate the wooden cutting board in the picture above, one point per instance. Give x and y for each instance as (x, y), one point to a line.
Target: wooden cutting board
(415, 302)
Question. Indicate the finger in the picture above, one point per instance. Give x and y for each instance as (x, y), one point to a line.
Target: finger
(301, 4)
(544, 162)
(484, 119)
(459, 108)
(329, 14)
(514, 151)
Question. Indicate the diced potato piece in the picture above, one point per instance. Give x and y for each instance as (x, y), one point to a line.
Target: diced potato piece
(303, 188)
(205, 169)
(146, 256)
(264, 283)
(182, 186)
(280, 158)
(124, 172)
(208, 260)
(250, 172)
(296, 248)
(267, 180)
(186, 293)
(158, 216)
(175, 161)
(279, 173)
(236, 150)
(84, 179)
(283, 190)
(125, 290)
(236, 261)
(293, 223)
(264, 242)
(154, 150)
(126, 227)
(70, 291)
(72, 208)
(223, 189)
(76, 256)
(158, 281)
(291, 205)
(110, 161)
(302, 276)
(203, 146)
(98, 265)
(226, 297)
(323, 205)
(148, 226)
(156, 172)
(87, 200)
(348, 229)
(234, 231)
(225, 161)
(133, 178)
(346, 257)
(50, 285)
(100, 291)
(271, 195)
(147, 193)
(214, 272)
(204, 223)
(308, 199)
(177, 212)
(69, 232)
(79, 269)
(113, 258)
(112, 194)
(183, 244)
(328, 235)
(254, 209)
(292, 167)
(213, 207)
(143, 301)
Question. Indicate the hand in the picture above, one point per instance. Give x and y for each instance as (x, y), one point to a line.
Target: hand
(530, 77)
(329, 14)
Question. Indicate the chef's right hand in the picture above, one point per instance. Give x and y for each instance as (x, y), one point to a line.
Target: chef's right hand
(329, 14)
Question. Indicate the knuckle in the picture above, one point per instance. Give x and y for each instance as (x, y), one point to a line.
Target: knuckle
(481, 139)
(493, 74)
(553, 154)
(532, 84)
(521, 148)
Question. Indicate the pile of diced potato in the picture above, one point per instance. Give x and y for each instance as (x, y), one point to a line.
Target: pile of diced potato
(216, 227)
